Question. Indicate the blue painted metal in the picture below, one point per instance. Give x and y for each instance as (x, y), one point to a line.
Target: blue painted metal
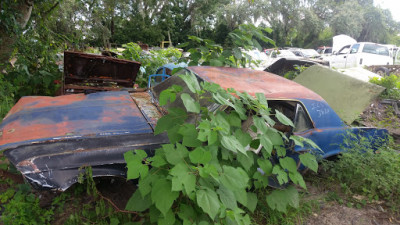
(39, 119)
(330, 132)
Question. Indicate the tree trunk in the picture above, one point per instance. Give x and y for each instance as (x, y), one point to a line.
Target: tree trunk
(8, 37)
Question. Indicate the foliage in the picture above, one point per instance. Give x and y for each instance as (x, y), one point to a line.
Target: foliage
(293, 73)
(207, 174)
(150, 60)
(392, 85)
(265, 215)
(22, 207)
(205, 52)
(362, 169)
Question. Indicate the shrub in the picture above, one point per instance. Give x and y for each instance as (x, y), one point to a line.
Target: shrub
(392, 85)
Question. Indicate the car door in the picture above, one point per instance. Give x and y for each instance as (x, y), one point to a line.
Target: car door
(339, 60)
(352, 56)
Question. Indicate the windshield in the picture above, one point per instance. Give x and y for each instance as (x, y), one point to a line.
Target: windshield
(309, 52)
(285, 53)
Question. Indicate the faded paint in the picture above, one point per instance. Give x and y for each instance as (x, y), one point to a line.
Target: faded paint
(41, 119)
(348, 96)
(253, 81)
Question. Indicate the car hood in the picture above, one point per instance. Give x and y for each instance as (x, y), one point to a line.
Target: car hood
(48, 119)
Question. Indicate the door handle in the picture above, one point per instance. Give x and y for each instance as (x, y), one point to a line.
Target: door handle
(344, 57)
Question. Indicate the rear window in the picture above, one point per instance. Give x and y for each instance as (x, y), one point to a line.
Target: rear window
(376, 49)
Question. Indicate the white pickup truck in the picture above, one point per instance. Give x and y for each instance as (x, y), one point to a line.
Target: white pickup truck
(360, 54)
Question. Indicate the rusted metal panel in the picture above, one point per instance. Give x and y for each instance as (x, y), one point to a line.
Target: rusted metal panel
(253, 81)
(87, 72)
(146, 104)
(40, 119)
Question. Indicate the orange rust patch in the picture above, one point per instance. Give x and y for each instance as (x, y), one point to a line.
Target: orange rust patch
(253, 81)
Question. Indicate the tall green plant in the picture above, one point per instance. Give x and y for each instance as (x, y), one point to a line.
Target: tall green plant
(207, 174)
(206, 52)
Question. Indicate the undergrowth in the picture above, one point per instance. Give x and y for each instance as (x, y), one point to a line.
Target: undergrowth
(392, 85)
(372, 173)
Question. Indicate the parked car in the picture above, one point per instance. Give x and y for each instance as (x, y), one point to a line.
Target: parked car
(305, 53)
(324, 50)
(360, 54)
(49, 138)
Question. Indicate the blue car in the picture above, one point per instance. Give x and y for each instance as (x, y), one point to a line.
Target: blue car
(49, 138)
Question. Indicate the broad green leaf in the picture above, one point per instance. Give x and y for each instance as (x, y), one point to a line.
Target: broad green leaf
(283, 119)
(168, 219)
(234, 178)
(208, 201)
(261, 98)
(163, 196)
(199, 155)
(232, 144)
(175, 155)
(251, 201)
(190, 104)
(187, 212)
(260, 124)
(265, 165)
(182, 176)
(281, 199)
(165, 96)
(309, 161)
(237, 53)
(243, 137)
(134, 163)
(266, 143)
(137, 203)
(208, 170)
(288, 163)
(281, 175)
(145, 184)
(227, 197)
(216, 62)
(297, 140)
(297, 178)
(191, 82)
(174, 117)
(190, 134)
(246, 160)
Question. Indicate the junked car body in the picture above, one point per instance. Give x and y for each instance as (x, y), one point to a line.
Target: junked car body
(49, 138)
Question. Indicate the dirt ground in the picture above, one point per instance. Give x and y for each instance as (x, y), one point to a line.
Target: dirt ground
(382, 116)
(334, 213)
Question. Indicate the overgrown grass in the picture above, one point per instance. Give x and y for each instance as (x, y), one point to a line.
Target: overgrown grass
(361, 170)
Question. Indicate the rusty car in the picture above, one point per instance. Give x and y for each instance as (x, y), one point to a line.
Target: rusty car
(49, 138)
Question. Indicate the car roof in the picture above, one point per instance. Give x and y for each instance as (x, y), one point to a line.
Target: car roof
(254, 81)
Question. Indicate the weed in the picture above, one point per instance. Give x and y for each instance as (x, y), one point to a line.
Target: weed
(266, 215)
(373, 173)
(392, 85)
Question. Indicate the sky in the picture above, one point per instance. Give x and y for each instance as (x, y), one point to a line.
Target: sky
(392, 5)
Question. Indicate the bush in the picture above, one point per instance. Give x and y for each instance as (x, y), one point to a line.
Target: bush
(392, 85)
(150, 60)
(368, 172)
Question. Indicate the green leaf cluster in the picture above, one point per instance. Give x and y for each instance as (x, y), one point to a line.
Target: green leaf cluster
(209, 173)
